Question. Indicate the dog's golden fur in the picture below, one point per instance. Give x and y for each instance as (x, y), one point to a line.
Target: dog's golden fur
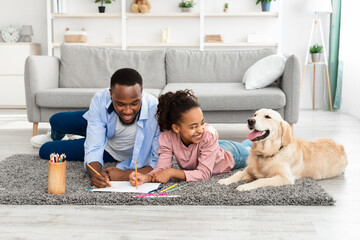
(279, 158)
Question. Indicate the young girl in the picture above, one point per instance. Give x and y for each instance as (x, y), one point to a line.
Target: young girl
(194, 143)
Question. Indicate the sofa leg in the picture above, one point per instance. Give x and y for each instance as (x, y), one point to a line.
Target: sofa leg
(35, 128)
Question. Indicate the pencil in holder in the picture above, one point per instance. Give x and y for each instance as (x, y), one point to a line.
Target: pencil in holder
(57, 177)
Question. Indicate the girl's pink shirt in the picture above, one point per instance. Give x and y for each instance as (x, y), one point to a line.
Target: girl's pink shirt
(199, 161)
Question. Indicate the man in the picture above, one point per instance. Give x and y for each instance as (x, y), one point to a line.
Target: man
(120, 126)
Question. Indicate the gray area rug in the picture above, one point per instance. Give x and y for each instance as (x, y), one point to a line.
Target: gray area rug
(23, 181)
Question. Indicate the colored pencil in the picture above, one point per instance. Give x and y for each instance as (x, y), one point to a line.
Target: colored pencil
(96, 172)
(155, 190)
(169, 196)
(148, 195)
(169, 187)
(177, 188)
(136, 181)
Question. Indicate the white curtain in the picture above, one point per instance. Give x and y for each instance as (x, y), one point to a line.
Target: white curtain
(350, 54)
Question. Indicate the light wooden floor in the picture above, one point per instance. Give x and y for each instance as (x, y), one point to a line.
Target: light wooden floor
(341, 221)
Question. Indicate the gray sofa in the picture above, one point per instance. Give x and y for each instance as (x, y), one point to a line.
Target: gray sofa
(54, 85)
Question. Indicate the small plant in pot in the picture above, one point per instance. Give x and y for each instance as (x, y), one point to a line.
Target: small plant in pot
(186, 6)
(315, 51)
(265, 4)
(102, 2)
(226, 7)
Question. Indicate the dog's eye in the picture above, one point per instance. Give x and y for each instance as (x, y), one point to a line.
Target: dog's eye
(267, 116)
(254, 115)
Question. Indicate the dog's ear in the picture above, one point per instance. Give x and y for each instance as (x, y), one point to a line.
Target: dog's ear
(286, 133)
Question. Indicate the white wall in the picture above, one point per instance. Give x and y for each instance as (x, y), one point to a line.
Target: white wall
(296, 29)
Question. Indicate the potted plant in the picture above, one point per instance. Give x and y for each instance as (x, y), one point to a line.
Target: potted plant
(315, 51)
(265, 4)
(186, 6)
(102, 7)
(226, 7)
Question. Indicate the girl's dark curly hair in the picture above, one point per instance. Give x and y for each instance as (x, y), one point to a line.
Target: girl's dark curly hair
(172, 105)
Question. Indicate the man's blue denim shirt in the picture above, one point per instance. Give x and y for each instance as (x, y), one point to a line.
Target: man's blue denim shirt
(102, 118)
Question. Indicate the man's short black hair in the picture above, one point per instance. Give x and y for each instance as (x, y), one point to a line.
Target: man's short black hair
(127, 77)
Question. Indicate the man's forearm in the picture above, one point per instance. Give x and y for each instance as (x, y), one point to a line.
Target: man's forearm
(144, 170)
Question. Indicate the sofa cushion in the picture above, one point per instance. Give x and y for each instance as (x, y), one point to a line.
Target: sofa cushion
(72, 97)
(90, 67)
(231, 96)
(264, 72)
(189, 66)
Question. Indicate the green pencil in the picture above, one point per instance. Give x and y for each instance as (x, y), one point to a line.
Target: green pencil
(177, 188)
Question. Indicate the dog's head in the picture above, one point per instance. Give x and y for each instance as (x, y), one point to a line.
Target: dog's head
(268, 125)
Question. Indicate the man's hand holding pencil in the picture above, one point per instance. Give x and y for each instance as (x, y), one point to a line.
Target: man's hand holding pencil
(100, 180)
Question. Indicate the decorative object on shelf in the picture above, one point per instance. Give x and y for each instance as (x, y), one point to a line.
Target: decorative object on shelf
(26, 32)
(140, 6)
(265, 4)
(165, 36)
(186, 6)
(71, 36)
(317, 7)
(109, 38)
(10, 34)
(226, 7)
(62, 6)
(55, 6)
(102, 2)
(315, 51)
(256, 37)
(215, 38)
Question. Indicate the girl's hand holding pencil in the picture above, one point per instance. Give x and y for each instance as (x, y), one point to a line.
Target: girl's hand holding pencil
(141, 178)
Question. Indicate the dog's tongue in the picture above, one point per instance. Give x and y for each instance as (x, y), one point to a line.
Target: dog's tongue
(251, 136)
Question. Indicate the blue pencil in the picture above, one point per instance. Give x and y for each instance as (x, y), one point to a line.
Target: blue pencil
(155, 190)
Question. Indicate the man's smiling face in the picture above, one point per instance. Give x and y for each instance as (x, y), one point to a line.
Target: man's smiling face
(126, 101)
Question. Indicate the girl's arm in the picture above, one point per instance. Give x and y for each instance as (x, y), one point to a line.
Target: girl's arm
(165, 153)
(164, 176)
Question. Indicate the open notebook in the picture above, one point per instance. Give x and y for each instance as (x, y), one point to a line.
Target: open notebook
(125, 186)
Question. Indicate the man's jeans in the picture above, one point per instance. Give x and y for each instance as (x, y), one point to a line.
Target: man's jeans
(68, 123)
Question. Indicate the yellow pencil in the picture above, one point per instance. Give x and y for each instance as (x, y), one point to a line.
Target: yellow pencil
(169, 187)
(97, 173)
(136, 181)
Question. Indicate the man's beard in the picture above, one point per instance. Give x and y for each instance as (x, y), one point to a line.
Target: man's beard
(132, 121)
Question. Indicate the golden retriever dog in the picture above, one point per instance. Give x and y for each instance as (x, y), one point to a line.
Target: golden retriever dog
(277, 158)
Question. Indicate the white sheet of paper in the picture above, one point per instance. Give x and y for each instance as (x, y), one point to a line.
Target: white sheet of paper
(125, 186)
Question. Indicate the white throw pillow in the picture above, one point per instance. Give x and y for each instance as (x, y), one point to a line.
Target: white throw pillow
(264, 72)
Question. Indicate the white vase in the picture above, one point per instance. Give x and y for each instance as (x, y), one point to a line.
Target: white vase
(186, 9)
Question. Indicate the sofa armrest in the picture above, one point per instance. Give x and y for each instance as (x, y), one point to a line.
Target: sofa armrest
(41, 72)
(290, 84)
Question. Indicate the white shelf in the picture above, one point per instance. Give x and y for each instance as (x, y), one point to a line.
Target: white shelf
(86, 15)
(240, 44)
(199, 17)
(150, 45)
(163, 15)
(110, 45)
(243, 14)
(144, 45)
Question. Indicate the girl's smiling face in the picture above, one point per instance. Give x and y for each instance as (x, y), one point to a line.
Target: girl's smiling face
(191, 126)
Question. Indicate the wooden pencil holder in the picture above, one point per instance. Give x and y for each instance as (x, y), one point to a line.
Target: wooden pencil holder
(57, 178)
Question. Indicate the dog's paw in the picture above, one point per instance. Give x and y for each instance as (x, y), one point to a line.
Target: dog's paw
(244, 187)
(224, 181)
